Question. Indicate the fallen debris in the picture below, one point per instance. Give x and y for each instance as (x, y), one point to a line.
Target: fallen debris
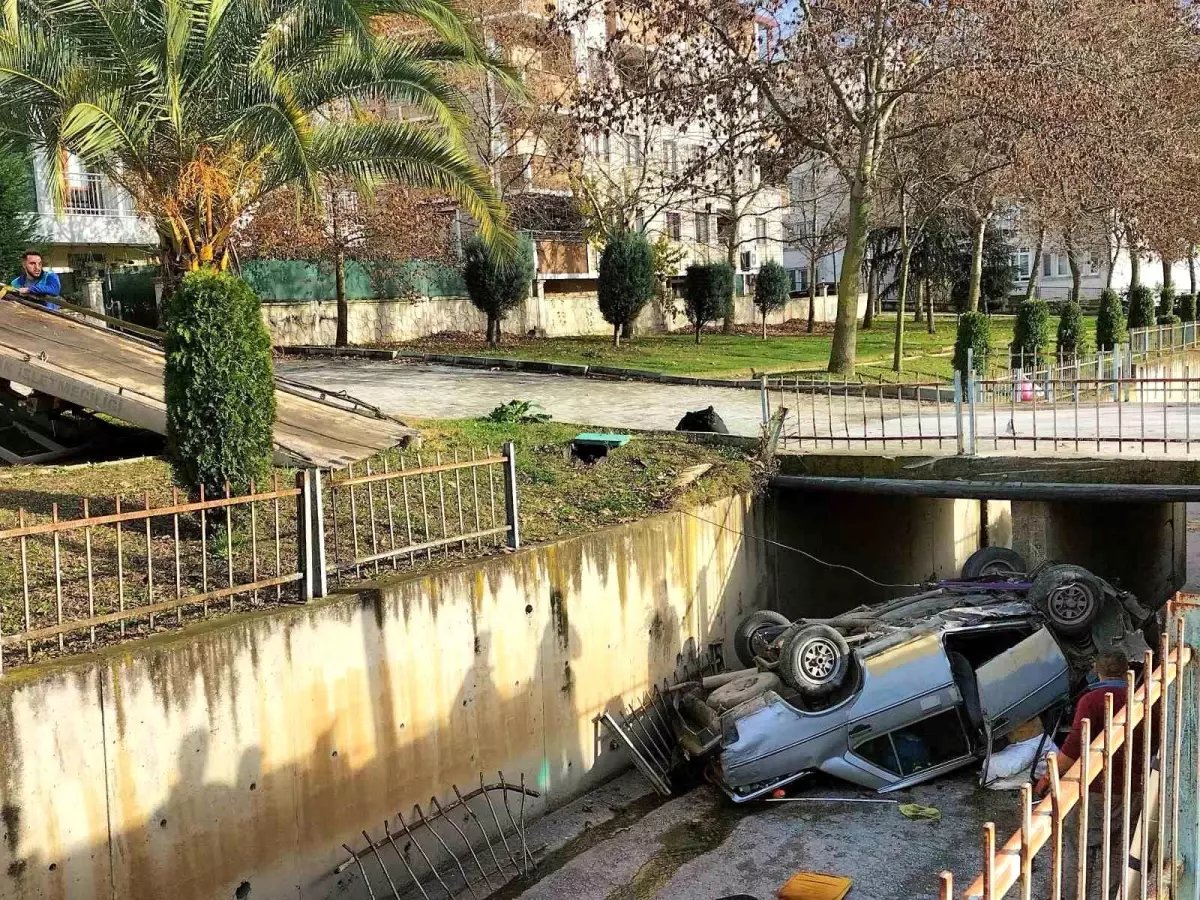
(919, 811)
(815, 886)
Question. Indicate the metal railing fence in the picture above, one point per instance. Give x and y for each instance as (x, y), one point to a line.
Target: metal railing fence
(1118, 414)
(1164, 338)
(379, 517)
(1146, 847)
(74, 582)
(71, 583)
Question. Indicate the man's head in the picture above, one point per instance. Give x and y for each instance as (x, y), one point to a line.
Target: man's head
(1110, 664)
(31, 262)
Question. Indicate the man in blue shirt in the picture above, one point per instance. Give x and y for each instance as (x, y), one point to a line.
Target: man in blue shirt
(36, 284)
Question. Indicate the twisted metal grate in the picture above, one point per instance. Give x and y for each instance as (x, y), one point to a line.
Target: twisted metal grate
(472, 859)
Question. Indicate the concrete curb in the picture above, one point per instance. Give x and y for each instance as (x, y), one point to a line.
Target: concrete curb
(348, 352)
(579, 370)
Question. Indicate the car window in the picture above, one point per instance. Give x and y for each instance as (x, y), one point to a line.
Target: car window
(930, 742)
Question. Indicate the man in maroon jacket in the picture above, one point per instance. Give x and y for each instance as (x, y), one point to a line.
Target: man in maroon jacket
(1111, 668)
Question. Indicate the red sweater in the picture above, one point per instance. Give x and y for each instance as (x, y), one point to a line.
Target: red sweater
(1091, 708)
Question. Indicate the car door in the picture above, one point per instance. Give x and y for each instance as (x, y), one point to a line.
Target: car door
(1021, 682)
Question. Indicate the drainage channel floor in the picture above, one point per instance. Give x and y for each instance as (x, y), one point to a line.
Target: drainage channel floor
(622, 843)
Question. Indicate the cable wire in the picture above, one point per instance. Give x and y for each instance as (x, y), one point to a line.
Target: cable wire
(804, 553)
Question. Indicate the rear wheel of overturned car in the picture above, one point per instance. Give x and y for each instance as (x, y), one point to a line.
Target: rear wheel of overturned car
(815, 661)
(999, 562)
(1070, 597)
(749, 638)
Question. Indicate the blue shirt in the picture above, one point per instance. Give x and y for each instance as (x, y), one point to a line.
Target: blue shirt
(45, 287)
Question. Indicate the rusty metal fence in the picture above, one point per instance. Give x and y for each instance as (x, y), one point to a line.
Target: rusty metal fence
(383, 516)
(475, 859)
(70, 582)
(1135, 811)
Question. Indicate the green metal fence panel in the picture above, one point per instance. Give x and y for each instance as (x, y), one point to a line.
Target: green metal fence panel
(277, 280)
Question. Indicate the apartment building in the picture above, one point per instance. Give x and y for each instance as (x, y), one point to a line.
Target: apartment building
(94, 228)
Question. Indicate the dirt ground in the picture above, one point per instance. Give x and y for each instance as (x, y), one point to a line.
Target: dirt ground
(622, 843)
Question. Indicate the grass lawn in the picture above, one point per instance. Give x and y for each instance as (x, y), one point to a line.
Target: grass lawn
(787, 349)
(559, 497)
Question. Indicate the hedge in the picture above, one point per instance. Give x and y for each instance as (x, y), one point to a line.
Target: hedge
(219, 385)
(974, 333)
(1111, 330)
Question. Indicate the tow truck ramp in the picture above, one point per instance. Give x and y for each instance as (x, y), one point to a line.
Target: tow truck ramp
(76, 357)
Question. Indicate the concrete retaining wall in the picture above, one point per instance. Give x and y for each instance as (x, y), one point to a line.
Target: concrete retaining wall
(235, 757)
(555, 314)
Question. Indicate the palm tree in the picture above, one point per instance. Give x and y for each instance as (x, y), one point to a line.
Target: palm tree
(200, 108)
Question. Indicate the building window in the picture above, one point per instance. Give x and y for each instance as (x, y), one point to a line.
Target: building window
(85, 194)
(633, 150)
(1093, 263)
(1021, 262)
(674, 226)
(639, 220)
(725, 230)
(606, 146)
(760, 232)
(1047, 265)
(671, 157)
(1064, 264)
(762, 41)
(800, 279)
(702, 227)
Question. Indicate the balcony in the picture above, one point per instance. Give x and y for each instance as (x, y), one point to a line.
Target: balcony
(94, 212)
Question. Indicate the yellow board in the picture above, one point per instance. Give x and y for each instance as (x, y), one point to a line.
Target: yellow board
(815, 886)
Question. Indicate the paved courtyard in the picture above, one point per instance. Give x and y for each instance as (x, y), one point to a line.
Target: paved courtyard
(699, 846)
(444, 392)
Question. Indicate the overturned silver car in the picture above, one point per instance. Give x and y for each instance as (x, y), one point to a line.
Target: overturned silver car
(890, 695)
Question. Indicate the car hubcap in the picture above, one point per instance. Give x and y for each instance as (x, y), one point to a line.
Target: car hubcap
(818, 659)
(1070, 603)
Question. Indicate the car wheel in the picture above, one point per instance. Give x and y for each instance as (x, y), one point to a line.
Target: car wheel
(1070, 597)
(997, 561)
(747, 642)
(815, 661)
(738, 691)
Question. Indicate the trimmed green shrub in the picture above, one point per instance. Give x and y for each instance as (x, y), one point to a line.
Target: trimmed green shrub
(1031, 333)
(626, 280)
(219, 384)
(1071, 337)
(770, 290)
(1111, 330)
(1172, 319)
(1185, 307)
(1166, 300)
(708, 292)
(974, 333)
(496, 285)
(1141, 306)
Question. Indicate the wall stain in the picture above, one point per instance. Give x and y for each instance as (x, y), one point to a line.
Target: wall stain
(558, 609)
(10, 815)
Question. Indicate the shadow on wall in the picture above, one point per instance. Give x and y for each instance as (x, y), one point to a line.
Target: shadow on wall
(233, 759)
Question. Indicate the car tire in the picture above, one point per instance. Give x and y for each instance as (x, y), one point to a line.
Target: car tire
(815, 661)
(736, 692)
(998, 561)
(1070, 597)
(743, 635)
